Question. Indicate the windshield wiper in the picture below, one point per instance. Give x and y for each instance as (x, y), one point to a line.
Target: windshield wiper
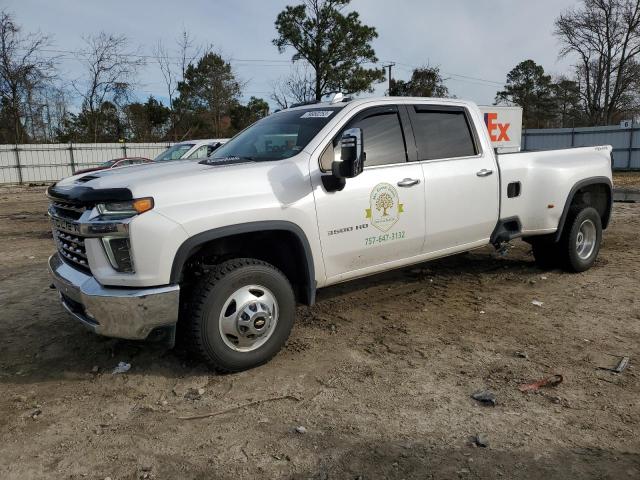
(225, 160)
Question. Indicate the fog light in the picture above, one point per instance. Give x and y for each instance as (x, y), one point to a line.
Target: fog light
(118, 252)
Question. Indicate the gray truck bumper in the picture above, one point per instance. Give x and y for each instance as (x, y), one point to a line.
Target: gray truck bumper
(130, 313)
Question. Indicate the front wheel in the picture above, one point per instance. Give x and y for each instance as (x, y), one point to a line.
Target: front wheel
(240, 314)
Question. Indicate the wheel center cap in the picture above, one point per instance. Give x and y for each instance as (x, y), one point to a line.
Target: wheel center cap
(259, 322)
(254, 320)
(248, 318)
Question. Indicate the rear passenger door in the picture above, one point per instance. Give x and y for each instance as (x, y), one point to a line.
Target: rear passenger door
(461, 180)
(379, 215)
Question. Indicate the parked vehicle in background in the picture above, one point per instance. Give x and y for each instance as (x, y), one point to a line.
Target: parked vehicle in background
(191, 149)
(306, 198)
(116, 163)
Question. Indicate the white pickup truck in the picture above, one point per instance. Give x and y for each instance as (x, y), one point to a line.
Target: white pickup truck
(222, 249)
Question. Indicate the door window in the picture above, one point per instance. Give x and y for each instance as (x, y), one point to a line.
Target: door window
(201, 152)
(174, 152)
(442, 133)
(382, 138)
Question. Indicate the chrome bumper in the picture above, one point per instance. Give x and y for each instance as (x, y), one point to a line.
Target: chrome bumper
(130, 313)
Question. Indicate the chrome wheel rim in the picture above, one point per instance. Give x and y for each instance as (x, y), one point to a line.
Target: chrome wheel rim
(248, 318)
(586, 239)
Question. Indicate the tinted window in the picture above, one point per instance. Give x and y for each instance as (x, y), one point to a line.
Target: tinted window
(442, 134)
(382, 138)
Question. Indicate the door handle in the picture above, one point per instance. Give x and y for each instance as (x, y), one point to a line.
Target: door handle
(408, 182)
(484, 172)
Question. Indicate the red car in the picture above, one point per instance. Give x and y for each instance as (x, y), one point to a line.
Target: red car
(115, 163)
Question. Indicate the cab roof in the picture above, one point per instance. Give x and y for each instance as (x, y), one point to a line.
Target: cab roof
(359, 101)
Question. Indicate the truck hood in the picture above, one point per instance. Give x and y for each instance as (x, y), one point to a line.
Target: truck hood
(137, 176)
(178, 183)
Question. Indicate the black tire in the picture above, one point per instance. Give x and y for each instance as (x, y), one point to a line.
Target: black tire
(546, 254)
(209, 297)
(569, 255)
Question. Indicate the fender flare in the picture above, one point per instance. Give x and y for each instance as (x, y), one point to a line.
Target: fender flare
(190, 246)
(584, 183)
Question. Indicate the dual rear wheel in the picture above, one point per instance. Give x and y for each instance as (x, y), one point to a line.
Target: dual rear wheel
(579, 244)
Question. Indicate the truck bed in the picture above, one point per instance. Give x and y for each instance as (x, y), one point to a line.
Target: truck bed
(535, 186)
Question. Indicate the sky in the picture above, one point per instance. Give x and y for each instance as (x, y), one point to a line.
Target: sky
(474, 42)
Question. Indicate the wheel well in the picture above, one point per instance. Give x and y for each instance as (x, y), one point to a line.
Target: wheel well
(281, 248)
(596, 195)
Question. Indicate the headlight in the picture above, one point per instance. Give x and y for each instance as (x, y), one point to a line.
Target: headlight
(125, 209)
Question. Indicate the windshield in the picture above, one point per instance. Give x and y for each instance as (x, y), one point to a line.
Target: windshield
(280, 135)
(175, 152)
(108, 163)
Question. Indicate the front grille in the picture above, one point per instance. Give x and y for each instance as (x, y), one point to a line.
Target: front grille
(71, 248)
(66, 209)
(66, 232)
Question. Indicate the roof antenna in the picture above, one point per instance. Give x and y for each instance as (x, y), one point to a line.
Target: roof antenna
(337, 98)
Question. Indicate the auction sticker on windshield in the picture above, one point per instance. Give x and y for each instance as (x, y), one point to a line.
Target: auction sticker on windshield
(317, 114)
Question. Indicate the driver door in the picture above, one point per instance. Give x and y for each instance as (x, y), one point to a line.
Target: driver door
(379, 216)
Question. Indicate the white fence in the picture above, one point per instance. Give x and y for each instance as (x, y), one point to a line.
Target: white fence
(37, 163)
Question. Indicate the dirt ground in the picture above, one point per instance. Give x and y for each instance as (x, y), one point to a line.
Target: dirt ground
(627, 180)
(379, 373)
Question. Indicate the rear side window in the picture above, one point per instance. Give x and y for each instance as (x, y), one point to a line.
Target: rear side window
(442, 134)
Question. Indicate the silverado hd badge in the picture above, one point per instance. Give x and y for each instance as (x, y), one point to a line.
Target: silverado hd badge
(385, 207)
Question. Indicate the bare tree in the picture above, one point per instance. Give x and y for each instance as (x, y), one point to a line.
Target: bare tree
(605, 37)
(56, 111)
(111, 71)
(23, 70)
(297, 87)
(167, 68)
(188, 51)
(45, 111)
(173, 69)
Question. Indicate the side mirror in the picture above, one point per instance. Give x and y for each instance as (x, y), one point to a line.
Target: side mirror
(352, 155)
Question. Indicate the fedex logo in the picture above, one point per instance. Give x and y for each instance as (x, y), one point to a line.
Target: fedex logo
(498, 132)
